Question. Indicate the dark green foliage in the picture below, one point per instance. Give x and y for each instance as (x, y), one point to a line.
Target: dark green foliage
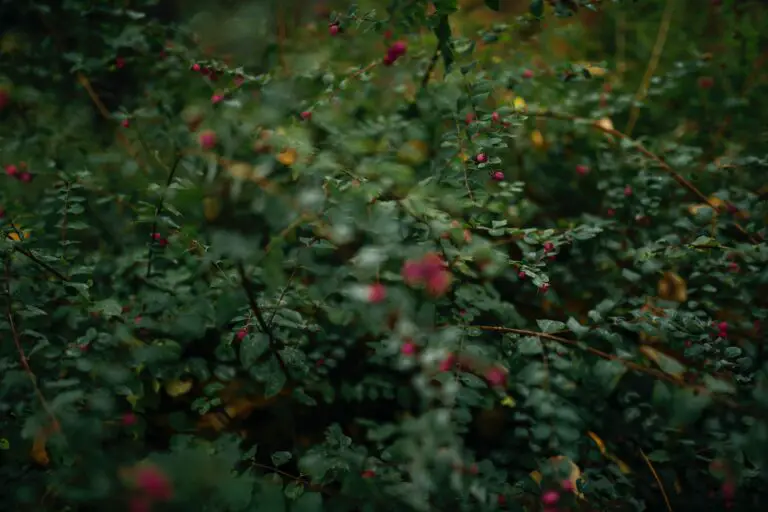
(254, 267)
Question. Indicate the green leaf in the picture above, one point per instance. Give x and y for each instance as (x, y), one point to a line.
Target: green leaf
(308, 502)
(550, 326)
(280, 458)
(576, 328)
(252, 347)
(537, 8)
(718, 385)
(108, 307)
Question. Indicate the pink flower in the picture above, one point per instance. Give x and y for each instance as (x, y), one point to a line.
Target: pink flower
(408, 348)
(377, 293)
(496, 377)
(550, 497)
(154, 483)
(207, 139)
(498, 176)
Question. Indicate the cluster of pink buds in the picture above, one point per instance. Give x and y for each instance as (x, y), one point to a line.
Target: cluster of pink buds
(20, 173)
(394, 52)
(157, 237)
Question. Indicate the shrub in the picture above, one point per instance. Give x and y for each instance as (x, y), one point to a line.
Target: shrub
(406, 258)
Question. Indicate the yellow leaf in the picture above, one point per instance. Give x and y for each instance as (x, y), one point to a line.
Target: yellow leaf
(240, 170)
(39, 453)
(596, 71)
(176, 388)
(508, 401)
(537, 139)
(672, 287)
(601, 446)
(519, 103)
(14, 234)
(287, 157)
(211, 208)
(605, 123)
(599, 442)
(413, 152)
(132, 399)
(667, 364)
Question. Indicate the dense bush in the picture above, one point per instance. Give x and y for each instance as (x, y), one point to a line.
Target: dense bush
(408, 258)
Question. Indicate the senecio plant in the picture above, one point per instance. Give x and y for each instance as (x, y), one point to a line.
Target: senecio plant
(401, 256)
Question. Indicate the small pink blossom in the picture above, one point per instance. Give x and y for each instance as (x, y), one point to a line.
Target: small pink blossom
(408, 348)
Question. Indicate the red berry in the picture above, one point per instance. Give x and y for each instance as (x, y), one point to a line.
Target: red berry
(611, 212)
(398, 49)
(544, 288)
(154, 483)
(498, 176)
(163, 242)
(706, 82)
(734, 267)
(126, 123)
(2, 212)
(207, 139)
(156, 236)
(496, 377)
(567, 485)
(448, 363)
(582, 169)
(723, 326)
(119, 62)
(196, 67)
(527, 73)
(388, 34)
(128, 419)
(495, 117)
(333, 29)
(550, 497)
(25, 177)
(627, 191)
(5, 98)
(549, 247)
(306, 115)
(377, 293)
(521, 275)
(216, 98)
(470, 118)
(481, 158)
(11, 170)
(368, 473)
(241, 334)
(408, 348)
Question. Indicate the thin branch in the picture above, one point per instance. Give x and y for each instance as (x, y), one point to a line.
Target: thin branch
(22, 355)
(658, 480)
(651, 156)
(34, 259)
(158, 210)
(259, 316)
(658, 47)
(430, 68)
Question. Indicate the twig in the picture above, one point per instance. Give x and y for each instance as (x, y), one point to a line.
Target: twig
(430, 68)
(658, 480)
(648, 154)
(158, 210)
(259, 316)
(22, 356)
(37, 261)
(658, 46)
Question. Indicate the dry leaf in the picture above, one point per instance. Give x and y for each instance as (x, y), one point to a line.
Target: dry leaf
(413, 152)
(287, 157)
(538, 139)
(211, 208)
(672, 287)
(667, 364)
(14, 234)
(573, 477)
(605, 123)
(601, 446)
